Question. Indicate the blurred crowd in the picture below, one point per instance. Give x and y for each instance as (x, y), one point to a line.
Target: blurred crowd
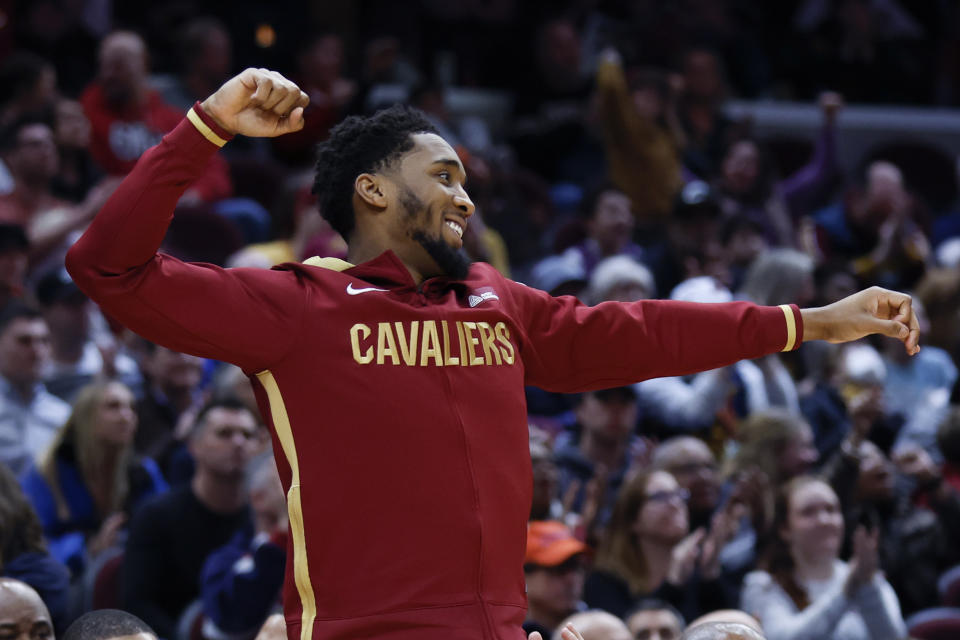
(816, 492)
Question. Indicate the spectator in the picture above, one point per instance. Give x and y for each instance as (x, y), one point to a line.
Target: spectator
(722, 631)
(694, 466)
(29, 414)
(109, 624)
(127, 117)
(13, 261)
(735, 616)
(805, 590)
(595, 625)
(31, 86)
(599, 451)
(875, 230)
(915, 541)
(171, 536)
(654, 620)
(241, 582)
(171, 388)
(30, 151)
(609, 225)
(320, 66)
(22, 612)
(23, 554)
(948, 443)
(545, 505)
(89, 482)
(777, 443)
(77, 173)
(648, 551)
(748, 189)
(707, 129)
(554, 571)
(75, 359)
(206, 58)
(642, 136)
(621, 278)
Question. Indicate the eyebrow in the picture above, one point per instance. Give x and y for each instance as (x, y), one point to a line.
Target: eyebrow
(455, 164)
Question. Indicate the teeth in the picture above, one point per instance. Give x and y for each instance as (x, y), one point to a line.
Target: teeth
(457, 228)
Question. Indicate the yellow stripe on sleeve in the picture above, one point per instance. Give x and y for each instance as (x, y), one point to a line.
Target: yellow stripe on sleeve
(202, 127)
(791, 327)
(301, 574)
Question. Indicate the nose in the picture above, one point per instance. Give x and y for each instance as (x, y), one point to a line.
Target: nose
(463, 202)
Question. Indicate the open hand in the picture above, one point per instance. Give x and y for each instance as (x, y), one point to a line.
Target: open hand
(258, 103)
(873, 310)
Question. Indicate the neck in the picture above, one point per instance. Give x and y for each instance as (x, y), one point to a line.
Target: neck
(657, 555)
(220, 494)
(66, 351)
(25, 389)
(364, 249)
(813, 568)
(602, 450)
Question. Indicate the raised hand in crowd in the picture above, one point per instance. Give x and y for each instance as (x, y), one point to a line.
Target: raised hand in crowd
(684, 557)
(108, 536)
(865, 561)
(723, 526)
(567, 633)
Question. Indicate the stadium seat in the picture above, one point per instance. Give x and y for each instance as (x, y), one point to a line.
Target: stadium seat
(939, 623)
(102, 581)
(948, 586)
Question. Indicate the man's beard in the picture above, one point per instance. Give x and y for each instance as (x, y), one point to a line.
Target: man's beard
(453, 263)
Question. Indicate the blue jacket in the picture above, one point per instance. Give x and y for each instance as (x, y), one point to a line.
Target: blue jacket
(67, 538)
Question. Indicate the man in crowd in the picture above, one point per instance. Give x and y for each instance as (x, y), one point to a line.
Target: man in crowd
(171, 536)
(30, 415)
(654, 620)
(554, 570)
(23, 615)
(406, 348)
(109, 624)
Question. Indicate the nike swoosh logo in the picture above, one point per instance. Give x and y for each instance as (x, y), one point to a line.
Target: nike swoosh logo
(354, 292)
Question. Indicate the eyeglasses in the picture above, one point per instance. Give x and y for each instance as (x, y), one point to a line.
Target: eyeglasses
(669, 496)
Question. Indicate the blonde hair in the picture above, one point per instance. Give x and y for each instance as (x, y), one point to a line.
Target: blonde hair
(79, 433)
(761, 437)
(619, 552)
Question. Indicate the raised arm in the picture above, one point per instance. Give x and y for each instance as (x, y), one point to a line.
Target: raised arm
(245, 316)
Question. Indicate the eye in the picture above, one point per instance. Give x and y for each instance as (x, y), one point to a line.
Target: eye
(444, 175)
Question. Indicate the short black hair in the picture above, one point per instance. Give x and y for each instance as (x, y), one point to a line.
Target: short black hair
(591, 197)
(361, 145)
(14, 310)
(229, 402)
(9, 135)
(105, 624)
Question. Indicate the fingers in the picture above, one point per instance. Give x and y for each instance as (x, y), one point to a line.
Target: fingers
(277, 94)
(908, 327)
(570, 633)
(535, 636)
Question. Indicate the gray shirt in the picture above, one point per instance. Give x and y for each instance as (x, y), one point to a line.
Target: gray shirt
(27, 426)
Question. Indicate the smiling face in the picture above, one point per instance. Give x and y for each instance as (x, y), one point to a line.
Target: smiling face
(814, 527)
(427, 225)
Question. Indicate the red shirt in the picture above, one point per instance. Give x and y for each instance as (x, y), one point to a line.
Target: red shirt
(118, 139)
(397, 410)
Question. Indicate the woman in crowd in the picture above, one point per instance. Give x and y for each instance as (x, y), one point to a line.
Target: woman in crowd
(805, 590)
(23, 554)
(648, 551)
(89, 481)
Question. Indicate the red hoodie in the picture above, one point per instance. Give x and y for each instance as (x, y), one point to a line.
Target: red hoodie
(397, 410)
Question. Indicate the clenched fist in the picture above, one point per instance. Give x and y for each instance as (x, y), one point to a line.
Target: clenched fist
(258, 103)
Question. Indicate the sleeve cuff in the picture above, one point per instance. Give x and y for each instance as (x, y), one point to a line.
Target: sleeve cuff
(794, 323)
(207, 126)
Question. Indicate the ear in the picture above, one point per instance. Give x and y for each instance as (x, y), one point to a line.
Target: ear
(372, 190)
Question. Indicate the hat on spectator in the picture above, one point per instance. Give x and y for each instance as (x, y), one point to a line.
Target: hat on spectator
(57, 286)
(555, 271)
(701, 289)
(551, 543)
(620, 270)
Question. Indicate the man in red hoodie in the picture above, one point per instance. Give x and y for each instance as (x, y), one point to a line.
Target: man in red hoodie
(393, 383)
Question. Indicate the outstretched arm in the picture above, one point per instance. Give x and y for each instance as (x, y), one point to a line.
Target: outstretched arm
(244, 316)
